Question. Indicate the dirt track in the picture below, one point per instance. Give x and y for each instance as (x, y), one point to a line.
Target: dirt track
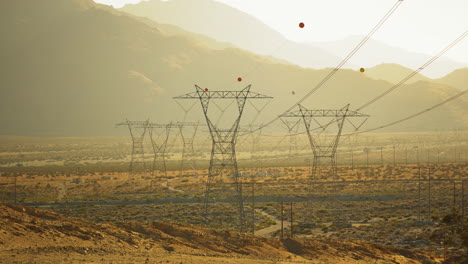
(267, 232)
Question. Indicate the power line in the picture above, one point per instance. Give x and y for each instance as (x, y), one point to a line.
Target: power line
(462, 36)
(406, 118)
(343, 62)
(351, 54)
(451, 45)
(413, 115)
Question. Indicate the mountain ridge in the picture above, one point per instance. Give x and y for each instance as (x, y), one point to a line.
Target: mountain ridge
(228, 24)
(79, 71)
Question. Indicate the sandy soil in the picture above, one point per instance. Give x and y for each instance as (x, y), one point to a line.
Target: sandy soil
(30, 235)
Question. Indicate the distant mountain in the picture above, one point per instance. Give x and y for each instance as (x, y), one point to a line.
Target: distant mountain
(227, 24)
(74, 68)
(393, 73)
(457, 79)
(375, 53)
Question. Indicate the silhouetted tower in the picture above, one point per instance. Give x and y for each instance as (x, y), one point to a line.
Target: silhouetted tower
(325, 149)
(137, 132)
(293, 128)
(255, 133)
(159, 135)
(188, 152)
(252, 134)
(223, 163)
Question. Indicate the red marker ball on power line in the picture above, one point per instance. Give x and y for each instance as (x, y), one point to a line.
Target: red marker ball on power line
(239, 79)
(301, 25)
(206, 89)
(362, 70)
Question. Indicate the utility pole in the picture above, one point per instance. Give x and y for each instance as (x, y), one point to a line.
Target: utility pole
(253, 208)
(429, 182)
(428, 157)
(454, 194)
(419, 195)
(417, 154)
(367, 157)
(406, 155)
(463, 201)
(282, 220)
(381, 156)
(292, 222)
(445, 244)
(15, 188)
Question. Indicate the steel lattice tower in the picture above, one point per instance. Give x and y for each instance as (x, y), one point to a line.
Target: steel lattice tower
(328, 150)
(292, 135)
(254, 135)
(223, 162)
(188, 151)
(159, 144)
(137, 132)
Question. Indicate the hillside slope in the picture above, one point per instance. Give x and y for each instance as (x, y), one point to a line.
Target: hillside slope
(29, 234)
(79, 69)
(375, 53)
(393, 73)
(228, 24)
(457, 79)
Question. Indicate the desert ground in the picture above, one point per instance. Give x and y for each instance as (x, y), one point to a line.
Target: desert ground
(393, 196)
(32, 235)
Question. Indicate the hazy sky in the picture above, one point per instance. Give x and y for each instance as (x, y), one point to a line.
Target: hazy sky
(425, 26)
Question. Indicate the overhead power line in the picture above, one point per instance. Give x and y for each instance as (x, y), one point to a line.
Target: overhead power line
(462, 36)
(403, 119)
(413, 115)
(343, 62)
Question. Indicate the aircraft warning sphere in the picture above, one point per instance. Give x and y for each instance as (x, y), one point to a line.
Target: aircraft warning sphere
(206, 89)
(301, 25)
(361, 70)
(239, 79)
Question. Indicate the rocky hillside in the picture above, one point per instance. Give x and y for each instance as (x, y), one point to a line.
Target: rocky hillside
(30, 235)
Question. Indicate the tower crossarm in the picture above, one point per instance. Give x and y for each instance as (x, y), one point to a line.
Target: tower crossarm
(133, 123)
(189, 124)
(222, 94)
(324, 113)
(155, 125)
(145, 124)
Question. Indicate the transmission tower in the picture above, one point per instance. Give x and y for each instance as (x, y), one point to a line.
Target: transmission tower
(159, 142)
(293, 127)
(137, 132)
(253, 135)
(188, 151)
(223, 163)
(325, 150)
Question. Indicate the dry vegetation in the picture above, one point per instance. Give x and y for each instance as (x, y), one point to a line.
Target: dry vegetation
(372, 198)
(31, 235)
